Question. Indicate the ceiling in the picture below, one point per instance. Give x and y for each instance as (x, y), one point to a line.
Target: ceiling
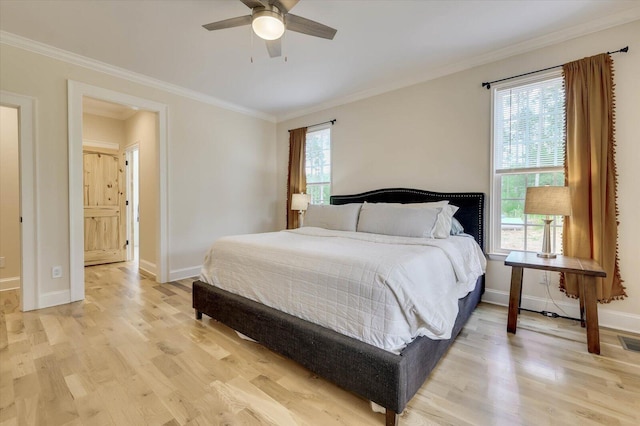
(380, 45)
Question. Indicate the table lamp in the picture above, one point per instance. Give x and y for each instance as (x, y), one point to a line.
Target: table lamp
(300, 202)
(549, 201)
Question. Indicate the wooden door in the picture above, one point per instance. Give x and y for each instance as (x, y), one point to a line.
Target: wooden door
(104, 207)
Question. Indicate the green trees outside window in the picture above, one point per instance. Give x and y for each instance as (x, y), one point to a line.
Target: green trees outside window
(318, 165)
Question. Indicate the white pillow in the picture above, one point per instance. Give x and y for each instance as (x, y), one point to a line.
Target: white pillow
(399, 220)
(443, 223)
(456, 227)
(339, 218)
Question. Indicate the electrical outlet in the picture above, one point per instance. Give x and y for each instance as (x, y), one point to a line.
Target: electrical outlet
(1, 261)
(56, 272)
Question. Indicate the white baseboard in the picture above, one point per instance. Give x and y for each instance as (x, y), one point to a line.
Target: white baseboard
(179, 274)
(54, 298)
(619, 320)
(606, 317)
(147, 267)
(10, 283)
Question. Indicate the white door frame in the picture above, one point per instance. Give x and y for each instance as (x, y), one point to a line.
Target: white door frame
(131, 214)
(75, 92)
(28, 231)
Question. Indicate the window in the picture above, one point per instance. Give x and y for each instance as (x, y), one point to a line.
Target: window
(528, 150)
(318, 165)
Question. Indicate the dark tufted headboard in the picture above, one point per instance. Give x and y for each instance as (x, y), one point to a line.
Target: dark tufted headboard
(471, 204)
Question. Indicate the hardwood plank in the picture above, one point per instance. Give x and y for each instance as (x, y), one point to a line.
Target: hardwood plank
(242, 393)
(74, 383)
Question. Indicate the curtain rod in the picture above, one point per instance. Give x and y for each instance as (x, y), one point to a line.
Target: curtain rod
(489, 83)
(318, 124)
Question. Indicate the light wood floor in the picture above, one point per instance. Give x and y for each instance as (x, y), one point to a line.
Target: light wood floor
(132, 353)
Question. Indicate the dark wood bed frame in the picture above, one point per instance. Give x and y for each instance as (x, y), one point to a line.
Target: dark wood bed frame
(385, 378)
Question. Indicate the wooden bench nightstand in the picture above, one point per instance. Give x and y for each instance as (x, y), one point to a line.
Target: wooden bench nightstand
(587, 269)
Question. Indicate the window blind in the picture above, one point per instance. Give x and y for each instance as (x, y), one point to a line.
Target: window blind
(529, 126)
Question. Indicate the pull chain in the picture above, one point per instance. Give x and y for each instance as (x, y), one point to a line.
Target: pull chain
(251, 56)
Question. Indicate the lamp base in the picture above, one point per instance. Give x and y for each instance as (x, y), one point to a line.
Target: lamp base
(546, 241)
(547, 255)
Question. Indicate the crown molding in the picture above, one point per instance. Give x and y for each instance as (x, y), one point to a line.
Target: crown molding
(584, 29)
(20, 42)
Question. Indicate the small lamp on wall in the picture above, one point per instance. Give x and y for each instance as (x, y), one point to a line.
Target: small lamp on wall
(300, 202)
(549, 201)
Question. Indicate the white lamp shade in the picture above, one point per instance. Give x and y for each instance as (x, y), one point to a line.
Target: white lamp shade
(267, 25)
(548, 200)
(300, 201)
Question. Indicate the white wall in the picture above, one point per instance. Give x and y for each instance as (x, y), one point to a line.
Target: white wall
(221, 164)
(102, 129)
(436, 135)
(233, 167)
(10, 199)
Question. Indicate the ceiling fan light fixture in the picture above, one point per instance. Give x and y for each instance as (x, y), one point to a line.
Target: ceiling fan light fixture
(267, 24)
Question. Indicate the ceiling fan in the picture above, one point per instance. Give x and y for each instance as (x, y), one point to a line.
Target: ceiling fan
(270, 18)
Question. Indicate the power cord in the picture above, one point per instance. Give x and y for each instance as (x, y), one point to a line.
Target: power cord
(550, 314)
(547, 285)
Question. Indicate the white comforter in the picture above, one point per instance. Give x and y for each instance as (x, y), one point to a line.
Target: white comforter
(382, 290)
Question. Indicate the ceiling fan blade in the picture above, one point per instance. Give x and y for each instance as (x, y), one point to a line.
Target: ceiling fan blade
(229, 23)
(274, 47)
(284, 5)
(252, 3)
(307, 26)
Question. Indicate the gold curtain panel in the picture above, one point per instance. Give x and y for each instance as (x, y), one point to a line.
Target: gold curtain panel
(590, 171)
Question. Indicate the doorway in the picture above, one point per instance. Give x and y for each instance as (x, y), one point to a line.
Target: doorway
(76, 92)
(119, 223)
(20, 118)
(10, 246)
(110, 133)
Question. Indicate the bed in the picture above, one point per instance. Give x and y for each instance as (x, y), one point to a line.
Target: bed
(388, 379)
